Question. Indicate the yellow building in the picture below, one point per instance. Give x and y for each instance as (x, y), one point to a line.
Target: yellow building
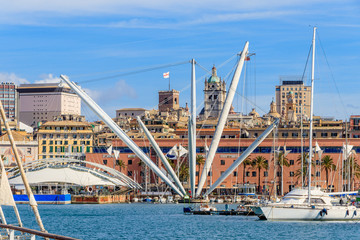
(65, 136)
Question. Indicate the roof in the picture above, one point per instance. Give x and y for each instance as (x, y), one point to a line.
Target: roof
(65, 123)
(214, 78)
(132, 109)
(64, 175)
(18, 136)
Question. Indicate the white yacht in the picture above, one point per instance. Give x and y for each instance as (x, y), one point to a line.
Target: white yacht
(295, 206)
(310, 203)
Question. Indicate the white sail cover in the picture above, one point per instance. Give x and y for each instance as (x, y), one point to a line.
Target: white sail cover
(65, 175)
(116, 153)
(109, 150)
(347, 149)
(176, 152)
(6, 197)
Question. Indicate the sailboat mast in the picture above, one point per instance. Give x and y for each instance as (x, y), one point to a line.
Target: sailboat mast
(32, 201)
(192, 135)
(311, 114)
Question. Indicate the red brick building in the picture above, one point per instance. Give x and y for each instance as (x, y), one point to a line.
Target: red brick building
(228, 151)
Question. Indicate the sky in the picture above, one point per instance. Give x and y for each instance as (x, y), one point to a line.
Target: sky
(118, 50)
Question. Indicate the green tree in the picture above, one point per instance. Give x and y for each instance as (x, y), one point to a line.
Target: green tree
(121, 164)
(246, 162)
(200, 160)
(282, 161)
(259, 163)
(327, 164)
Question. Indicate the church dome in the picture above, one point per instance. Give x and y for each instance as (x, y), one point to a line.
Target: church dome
(254, 113)
(214, 78)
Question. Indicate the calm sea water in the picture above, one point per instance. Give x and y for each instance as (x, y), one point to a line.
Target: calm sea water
(167, 221)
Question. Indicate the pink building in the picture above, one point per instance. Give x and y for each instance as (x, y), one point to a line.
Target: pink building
(42, 102)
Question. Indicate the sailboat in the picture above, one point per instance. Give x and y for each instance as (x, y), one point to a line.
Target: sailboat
(311, 203)
(6, 199)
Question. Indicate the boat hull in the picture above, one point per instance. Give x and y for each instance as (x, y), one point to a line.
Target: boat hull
(334, 213)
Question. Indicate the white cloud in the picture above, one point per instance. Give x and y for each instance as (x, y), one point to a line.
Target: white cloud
(112, 93)
(48, 78)
(146, 13)
(12, 77)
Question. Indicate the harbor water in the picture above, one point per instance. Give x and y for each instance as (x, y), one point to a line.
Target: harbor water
(167, 221)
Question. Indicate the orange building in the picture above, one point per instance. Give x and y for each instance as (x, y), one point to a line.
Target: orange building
(228, 151)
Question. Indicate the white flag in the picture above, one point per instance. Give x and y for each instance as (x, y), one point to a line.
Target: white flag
(109, 150)
(317, 147)
(182, 151)
(166, 75)
(6, 197)
(116, 153)
(286, 152)
(347, 149)
(172, 154)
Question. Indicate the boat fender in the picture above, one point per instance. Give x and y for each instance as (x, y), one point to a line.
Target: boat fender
(324, 211)
(347, 212)
(355, 213)
(321, 213)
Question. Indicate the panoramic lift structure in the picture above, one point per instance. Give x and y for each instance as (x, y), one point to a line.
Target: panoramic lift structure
(175, 183)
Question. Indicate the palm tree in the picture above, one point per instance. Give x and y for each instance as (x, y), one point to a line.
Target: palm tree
(183, 172)
(327, 164)
(200, 160)
(246, 162)
(282, 161)
(259, 163)
(121, 164)
(298, 173)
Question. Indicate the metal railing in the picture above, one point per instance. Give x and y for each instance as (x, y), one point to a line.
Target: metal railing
(28, 233)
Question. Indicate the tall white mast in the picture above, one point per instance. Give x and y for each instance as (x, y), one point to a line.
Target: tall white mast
(222, 120)
(240, 159)
(311, 114)
(192, 132)
(32, 201)
(161, 155)
(120, 133)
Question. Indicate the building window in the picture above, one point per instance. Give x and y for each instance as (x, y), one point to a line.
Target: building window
(222, 162)
(253, 174)
(317, 173)
(266, 173)
(318, 162)
(247, 174)
(130, 173)
(278, 174)
(197, 173)
(74, 136)
(235, 174)
(295, 134)
(51, 149)
(209, 174)
(44, 148)
(292, 162)
(44, 142)
(285, 134)
(292, 174)
(334, 134)
(324, 134)
(130, 162)
(105, 162)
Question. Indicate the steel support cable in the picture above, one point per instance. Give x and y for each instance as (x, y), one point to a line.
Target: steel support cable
(333, 78)
(148, 69)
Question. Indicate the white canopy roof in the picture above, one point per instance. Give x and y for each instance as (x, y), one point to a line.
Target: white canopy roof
(66, 175)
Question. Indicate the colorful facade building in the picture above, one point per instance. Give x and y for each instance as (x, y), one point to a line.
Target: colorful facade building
(65, 136)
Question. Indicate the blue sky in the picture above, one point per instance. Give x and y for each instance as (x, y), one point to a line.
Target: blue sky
(87, 40)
